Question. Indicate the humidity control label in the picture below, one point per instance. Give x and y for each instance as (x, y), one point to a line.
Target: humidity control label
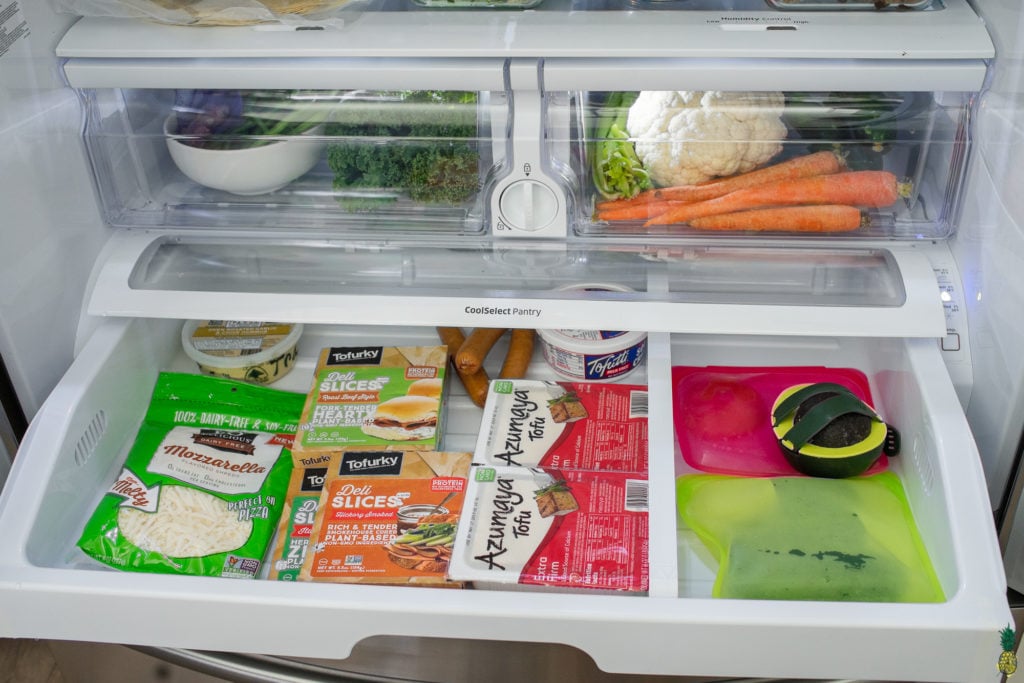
(13, 26)
(756, 22)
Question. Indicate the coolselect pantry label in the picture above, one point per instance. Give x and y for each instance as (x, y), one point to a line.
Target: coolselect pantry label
(506, 310)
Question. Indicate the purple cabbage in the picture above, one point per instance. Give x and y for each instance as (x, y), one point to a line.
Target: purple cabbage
(208, 112)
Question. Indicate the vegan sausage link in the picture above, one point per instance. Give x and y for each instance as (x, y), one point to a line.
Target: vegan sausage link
(470, 356)
(475, 383)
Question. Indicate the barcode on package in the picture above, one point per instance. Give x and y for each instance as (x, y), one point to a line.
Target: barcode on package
(636, 495)
(637, 404)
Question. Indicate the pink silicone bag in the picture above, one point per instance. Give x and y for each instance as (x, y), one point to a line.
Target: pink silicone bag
(723, 421)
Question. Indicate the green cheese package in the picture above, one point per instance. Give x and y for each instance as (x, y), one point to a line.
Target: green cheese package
(807, 538)
(203, 484)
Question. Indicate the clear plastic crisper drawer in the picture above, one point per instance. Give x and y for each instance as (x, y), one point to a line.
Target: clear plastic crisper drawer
(854, 5)
(717, 163)
(78, 442)
(760, 5)
(396, 161)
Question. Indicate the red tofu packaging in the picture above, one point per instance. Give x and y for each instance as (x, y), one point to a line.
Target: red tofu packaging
(564, 425)
(558, 492)
(566, 529)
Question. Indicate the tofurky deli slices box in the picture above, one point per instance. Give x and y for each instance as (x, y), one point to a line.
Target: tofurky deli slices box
(309, 474)
(564, 529)
(565, 425)
(385, 517)
(374, 397)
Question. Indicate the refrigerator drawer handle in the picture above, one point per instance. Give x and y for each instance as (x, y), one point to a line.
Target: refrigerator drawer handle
(246, 668)
(242, 668)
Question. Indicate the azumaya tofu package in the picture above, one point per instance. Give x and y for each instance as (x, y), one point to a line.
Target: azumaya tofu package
(565, 425)
(204, 481)
(564, 529)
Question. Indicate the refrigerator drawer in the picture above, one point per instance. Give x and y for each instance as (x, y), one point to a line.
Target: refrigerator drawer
(405, 157)
(78, 442)
(664, 161)
(501, 158)
(547, 130)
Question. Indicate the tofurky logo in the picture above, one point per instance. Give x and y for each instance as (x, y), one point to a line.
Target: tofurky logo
(355, 355)
(313, 479)
(371, 462)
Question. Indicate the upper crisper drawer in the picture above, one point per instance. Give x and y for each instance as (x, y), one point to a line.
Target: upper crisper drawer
(537, 100)
(503, 157)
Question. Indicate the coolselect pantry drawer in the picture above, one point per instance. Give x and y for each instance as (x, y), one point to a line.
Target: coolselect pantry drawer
(79, 440)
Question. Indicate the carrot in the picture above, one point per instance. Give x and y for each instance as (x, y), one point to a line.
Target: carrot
(813, 218)
(646, 196)
(855, 188)
(637, 200)
(637, 212)
(818, 163)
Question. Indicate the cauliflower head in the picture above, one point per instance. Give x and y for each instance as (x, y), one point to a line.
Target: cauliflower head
(689, 136)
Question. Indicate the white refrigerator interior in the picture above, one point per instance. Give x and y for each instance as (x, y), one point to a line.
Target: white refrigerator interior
(109, 246)
(987, 248)
(53, 231)
(990, 242)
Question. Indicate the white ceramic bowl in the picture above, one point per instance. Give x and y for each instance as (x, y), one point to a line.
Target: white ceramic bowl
(250, 170)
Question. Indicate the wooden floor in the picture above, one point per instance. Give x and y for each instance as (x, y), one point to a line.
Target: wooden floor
(28, 661)
(41, 661)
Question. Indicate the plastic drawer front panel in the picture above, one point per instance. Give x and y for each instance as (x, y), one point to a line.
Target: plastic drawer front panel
(402, 159)
(720, 289)
(691, 166)
(78, 441)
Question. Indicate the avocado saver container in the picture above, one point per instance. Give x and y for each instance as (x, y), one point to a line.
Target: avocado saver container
(825, 430)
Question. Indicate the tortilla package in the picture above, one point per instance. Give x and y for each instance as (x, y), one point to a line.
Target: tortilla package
(203, 485)
(322, 13)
